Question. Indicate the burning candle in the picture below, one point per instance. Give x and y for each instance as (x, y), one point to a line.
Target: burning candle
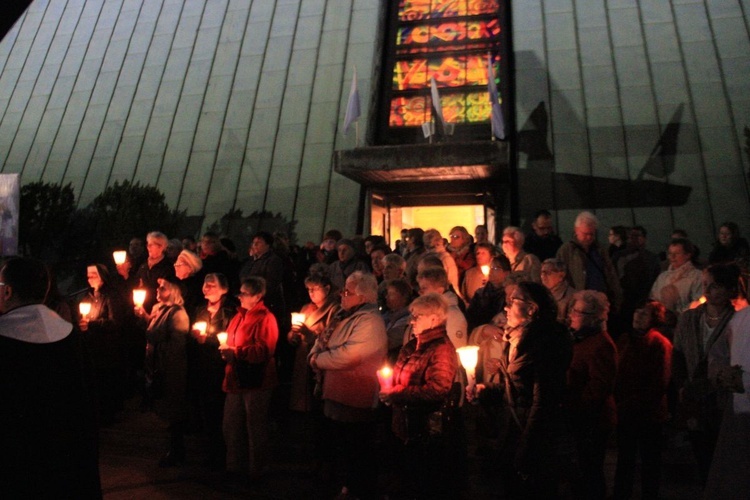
(84, 308)
(469, 355)
(702, 300)
(298, 318)
(222, 338)
(201, 327)
(485, 270)
(385, 377)
(120, 257)
(139, 296)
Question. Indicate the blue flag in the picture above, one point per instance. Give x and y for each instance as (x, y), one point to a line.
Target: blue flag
(498, 123)
(352, 107)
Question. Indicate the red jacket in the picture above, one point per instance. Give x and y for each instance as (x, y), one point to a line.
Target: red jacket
(254, 333)
(591, 380)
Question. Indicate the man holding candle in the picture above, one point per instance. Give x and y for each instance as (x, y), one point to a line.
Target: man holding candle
(424, 397)
(48, 433)
(348, 354)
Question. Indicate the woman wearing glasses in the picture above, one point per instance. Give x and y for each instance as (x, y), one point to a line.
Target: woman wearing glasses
(424, 397)
(347, 356)
(324, 303)
(249, 379)
(525, 369)
(591, 381)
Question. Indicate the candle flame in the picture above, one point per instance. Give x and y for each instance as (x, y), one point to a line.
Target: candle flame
(222, 337)
(84, 308)
(120, 257)
(139, 296)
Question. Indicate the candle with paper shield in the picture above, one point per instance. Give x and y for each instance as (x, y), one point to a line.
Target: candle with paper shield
(85, 309)
(485, 270)
(120, 257)
(139, 296)
(298, 318)
(222, 338)
(201, 326)
(385, 377)
(469, 355)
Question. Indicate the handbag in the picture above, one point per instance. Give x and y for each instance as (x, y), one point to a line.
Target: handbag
(249, 375)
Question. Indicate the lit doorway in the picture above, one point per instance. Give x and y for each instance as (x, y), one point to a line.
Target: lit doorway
(389, 221)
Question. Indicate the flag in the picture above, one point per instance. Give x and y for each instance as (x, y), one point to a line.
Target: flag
(498, 123)
(436, 103)
(352, 107)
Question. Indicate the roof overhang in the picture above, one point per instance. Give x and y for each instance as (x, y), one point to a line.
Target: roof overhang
(386, 167)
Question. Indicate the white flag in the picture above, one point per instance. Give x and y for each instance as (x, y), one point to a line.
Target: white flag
(352, 107)
(498, 123)
(436, 101)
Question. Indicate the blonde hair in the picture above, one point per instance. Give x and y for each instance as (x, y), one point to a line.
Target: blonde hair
(430, 303)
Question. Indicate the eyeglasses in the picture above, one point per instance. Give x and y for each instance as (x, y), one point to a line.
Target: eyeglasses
(519, 299)
(582, 313)
(415, 317)
(455, 236)
(179, 264)
(244, 294)
(347, 293)
(496, 268)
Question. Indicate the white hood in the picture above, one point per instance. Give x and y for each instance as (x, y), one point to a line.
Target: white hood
(36, 324)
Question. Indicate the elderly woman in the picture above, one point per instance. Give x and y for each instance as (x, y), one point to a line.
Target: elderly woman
(554, 274)
(249, 379)
(526, 264)
(475, 277)
(526, 371)
(424, 397)
(696, 334)
(591, 380)
(166, 363)
(644, 362)
(205, 367)
(318, 313)
(187, 268)
(102, 331)
(680, 284)
(156, 267)
(347, 355)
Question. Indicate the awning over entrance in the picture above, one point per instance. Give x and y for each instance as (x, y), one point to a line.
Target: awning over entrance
(428, 173)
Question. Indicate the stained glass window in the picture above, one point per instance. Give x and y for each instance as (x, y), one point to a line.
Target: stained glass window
(449, 40)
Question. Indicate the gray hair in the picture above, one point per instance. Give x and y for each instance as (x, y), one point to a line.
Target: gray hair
(517, 235)
(597, 304)
(158, 236)
(365, 284)
(587, 219)
(558, 265)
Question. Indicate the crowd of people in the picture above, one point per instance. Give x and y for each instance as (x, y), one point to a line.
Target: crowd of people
(578, 344)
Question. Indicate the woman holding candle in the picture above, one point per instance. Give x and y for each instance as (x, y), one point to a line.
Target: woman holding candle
(101, 321)
(315, 317)
(166, 363)
(525, 373)
(476, 277)
(187, 269)
(424, 398)
(205, 366)
(249, 378)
